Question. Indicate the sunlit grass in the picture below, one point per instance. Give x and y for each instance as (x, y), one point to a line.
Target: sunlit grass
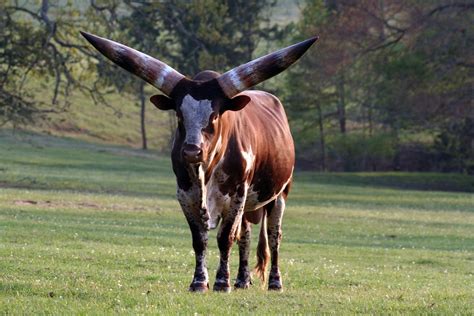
(96, 229)
(116, 122)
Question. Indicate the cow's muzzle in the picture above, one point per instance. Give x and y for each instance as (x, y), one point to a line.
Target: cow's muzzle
(192, 153)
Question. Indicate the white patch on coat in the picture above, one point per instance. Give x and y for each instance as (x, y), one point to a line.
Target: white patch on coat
(252, 203)
(189, 199)
(196, 117)
(201, 179)
(194, 197)
(237, 210)
(220, 205)
(214, 150)
(217, 202)
(249, 158)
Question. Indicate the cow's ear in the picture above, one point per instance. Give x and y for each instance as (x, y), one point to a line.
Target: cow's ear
(162, 102)
(237, 103)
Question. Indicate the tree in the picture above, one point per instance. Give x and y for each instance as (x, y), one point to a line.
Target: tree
(189, 35)
(387, 68)
(137, 22)
(37, 54)
(216, 35)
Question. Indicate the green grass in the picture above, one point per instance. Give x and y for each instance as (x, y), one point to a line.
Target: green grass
(87, 228)
(118, 123)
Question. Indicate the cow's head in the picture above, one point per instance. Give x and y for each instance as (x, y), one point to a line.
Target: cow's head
(199, 102)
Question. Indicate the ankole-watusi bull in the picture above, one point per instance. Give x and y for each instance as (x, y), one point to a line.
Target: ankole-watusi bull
(233, 155)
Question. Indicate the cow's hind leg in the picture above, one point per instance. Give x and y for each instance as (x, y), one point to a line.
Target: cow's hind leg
(243, 277)
(274, 221)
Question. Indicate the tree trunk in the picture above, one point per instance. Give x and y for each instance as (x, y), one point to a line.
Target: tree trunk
(142, 116)
(341, 105)
(369, 118)
(322, 142)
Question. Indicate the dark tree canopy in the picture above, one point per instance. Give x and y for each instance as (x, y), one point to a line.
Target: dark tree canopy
(389, 79)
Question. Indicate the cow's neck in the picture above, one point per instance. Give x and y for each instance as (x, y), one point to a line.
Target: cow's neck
(218, 147)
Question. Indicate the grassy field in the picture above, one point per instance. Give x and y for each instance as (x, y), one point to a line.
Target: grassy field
(88, 228)
(118, 123)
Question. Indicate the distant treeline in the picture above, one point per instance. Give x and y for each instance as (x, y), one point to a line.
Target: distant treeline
(389, 86)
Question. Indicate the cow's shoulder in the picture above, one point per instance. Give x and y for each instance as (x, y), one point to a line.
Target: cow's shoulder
(237, 165)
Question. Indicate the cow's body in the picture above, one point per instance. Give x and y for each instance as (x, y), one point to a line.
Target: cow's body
(254, 148)
(249, 165)
(233, 155)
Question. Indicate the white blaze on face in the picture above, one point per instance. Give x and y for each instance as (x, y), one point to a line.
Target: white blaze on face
(196, 117)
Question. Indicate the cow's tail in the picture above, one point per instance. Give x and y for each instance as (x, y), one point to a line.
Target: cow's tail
(263, 251)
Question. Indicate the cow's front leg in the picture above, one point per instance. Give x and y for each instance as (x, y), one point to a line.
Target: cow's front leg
(200, 281)
(225, 238)
(197, 218)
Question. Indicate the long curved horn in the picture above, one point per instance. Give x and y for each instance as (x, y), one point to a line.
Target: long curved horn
(153, 71)
(248, 75)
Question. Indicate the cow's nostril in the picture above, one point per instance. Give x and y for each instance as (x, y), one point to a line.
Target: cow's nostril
(192, 153)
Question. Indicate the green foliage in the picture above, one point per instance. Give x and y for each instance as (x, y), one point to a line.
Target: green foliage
(16, 105)
(382, 68)
(35, 50)
(90, 229)
(136, 25)
(215, 35)
(361, 152)
(455, 147)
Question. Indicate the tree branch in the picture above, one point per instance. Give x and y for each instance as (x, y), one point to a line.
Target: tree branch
(462, 6)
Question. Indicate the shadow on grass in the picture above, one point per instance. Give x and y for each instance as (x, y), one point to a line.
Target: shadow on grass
(439, 243)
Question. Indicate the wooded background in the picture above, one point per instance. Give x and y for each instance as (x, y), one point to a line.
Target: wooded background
(389, 85)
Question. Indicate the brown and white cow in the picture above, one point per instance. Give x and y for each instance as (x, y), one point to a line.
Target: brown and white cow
(233, 155)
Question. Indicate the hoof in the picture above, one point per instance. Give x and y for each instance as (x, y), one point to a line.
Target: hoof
(199, 287)
(242, 284)
(275, 286)
(222, 287)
